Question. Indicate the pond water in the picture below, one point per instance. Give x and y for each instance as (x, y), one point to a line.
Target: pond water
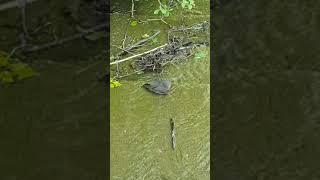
(140, 121)
(52, 126)
(49, 124)
(267, 90)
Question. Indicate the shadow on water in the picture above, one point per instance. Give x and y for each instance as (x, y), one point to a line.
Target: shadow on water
(266, 90)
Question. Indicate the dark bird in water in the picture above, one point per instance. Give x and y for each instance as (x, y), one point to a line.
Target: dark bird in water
(159, 87)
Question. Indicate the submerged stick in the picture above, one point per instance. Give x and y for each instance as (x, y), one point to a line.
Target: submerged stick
(173, 134)
(137, 55)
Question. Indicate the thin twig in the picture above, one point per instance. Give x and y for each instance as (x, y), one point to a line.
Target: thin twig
(67, 39)
(123, 49)
(12, 4)
(125, 37)
(137, 55)
(161, 19)
(88, 67)
(132, 7)
(135, 72)
(138, 44)
(22, 5)
(118, 71)
(124, 40)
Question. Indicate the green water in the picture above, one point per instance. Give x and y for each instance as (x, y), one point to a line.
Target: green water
(267, 90)
(140, 121)
(49, 124)
(53, 126)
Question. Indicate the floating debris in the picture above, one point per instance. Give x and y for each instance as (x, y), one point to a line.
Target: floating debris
(173, 134)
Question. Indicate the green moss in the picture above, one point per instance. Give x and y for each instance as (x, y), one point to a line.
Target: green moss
(114, 83)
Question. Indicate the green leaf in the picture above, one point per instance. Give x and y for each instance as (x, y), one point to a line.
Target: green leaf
(163, 11)
(114, 83)
(200, 55)
(145, 35)
(183, 5)
(154, 41)
(133, 23)
(156, 11)
(166, 13)
(21, 71)
(189, 6)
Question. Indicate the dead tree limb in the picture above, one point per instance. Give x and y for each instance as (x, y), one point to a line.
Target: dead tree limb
(12, 4)
(64, 40)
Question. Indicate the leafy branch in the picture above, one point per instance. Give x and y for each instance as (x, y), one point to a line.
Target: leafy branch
(165, 10)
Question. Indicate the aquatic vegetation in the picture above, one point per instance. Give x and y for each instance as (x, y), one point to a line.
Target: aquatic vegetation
(187, 4)
(11, 70)
(200, 55)
(145, 35)
(155, 41)
(114, 83)
(165, 10)
(133, 23)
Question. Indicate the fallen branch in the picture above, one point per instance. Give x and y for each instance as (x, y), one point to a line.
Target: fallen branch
(137, 55)
(12, 4)
(138, 44)
(67, 39)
